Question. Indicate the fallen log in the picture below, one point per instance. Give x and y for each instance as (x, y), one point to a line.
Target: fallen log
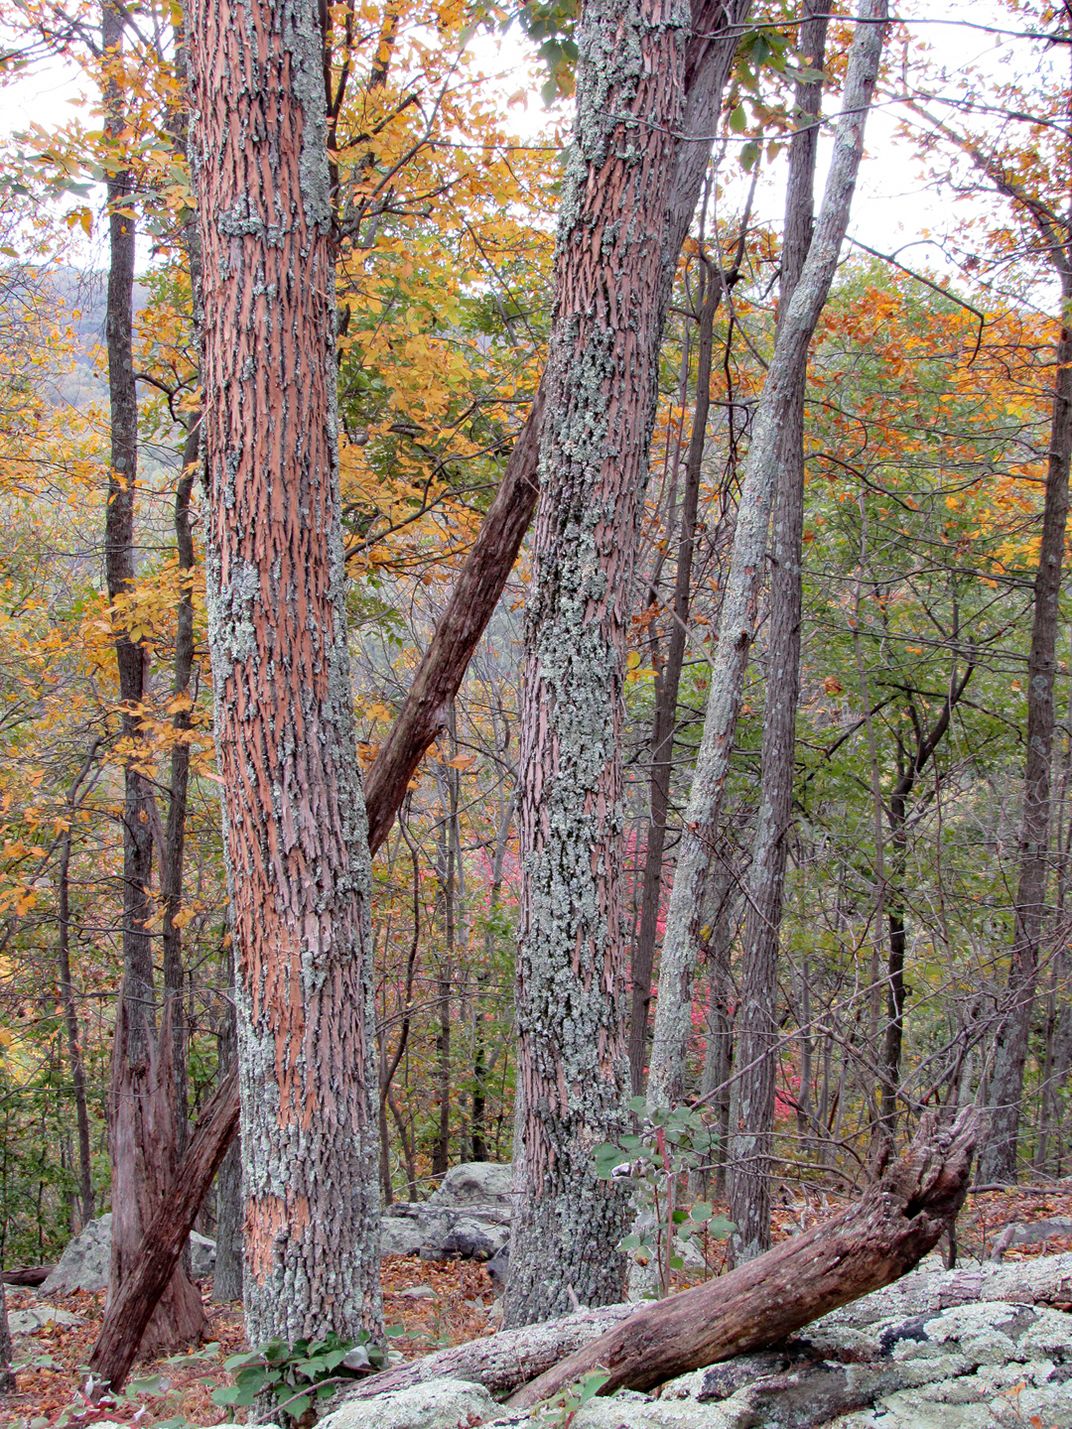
(27, 1275)
(885, 1234)
(511, 1358)
(499, 1362)
(1043, 1280)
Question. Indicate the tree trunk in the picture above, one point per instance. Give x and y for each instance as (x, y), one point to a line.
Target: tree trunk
(716, 31)
(142, 1113)
(600, 406)
(296, 835)
(927, 741)
(7, 1374)
(667, 684)
(165, 1236)
(227, 1271)
(740, 603)
(862, 1248)
(172, 861)
(752, 1100)
(73, 1031)
(997, 1161)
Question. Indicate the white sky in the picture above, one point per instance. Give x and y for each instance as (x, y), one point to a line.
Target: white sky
(894, 209)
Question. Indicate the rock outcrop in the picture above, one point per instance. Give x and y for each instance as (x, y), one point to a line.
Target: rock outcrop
(467, 1217)
(918, 1354)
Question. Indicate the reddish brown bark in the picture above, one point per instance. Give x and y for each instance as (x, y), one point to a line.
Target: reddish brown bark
(484, 575)
(296, 835)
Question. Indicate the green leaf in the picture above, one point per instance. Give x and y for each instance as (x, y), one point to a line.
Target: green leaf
(739, 120)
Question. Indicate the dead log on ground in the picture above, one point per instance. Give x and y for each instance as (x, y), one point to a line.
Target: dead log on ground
(27, 1275)
(511, 1358)
(877, 1240)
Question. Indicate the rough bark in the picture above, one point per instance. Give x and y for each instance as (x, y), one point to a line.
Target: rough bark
(296, 834)
(227, 1271)
(667, 685)
(716, 29)
(752, 1099)
(7, 1374)
(737, 623)
(600, 405)
(142, 1114)
(875, 1241)
(1005, 1082)
(166, 1234)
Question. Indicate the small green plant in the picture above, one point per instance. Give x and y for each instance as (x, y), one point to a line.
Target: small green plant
(669, 1144)
(292, 1378)
(560, 1411)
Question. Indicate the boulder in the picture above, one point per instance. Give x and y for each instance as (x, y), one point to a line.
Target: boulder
(962, 1366)
(84, 1263)
(439, 1230)
(476, 1183)
(436, 1405)
(38, 1317)
(202, 1255)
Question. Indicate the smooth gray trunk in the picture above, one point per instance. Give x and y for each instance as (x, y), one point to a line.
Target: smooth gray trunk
(737, 622)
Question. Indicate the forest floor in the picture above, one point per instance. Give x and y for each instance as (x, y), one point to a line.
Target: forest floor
(428, 1304)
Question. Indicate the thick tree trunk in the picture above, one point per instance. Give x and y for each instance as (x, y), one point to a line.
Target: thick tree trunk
(1004, 1087)
(740, 603)
(165, 1235)
(752, 1100)
(142, 1110)
(884, 1235)
(600, 406)
(296, 834)
(715, 33)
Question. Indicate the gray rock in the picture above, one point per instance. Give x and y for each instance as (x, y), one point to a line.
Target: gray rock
(84, 1263)
(1032, 1233)
(476, 1183)
(439, 1404)
(401, 1235)
(28, 1322)
(477, 1235)
(202, 1255)
(945, 1369)
(439, 1231)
